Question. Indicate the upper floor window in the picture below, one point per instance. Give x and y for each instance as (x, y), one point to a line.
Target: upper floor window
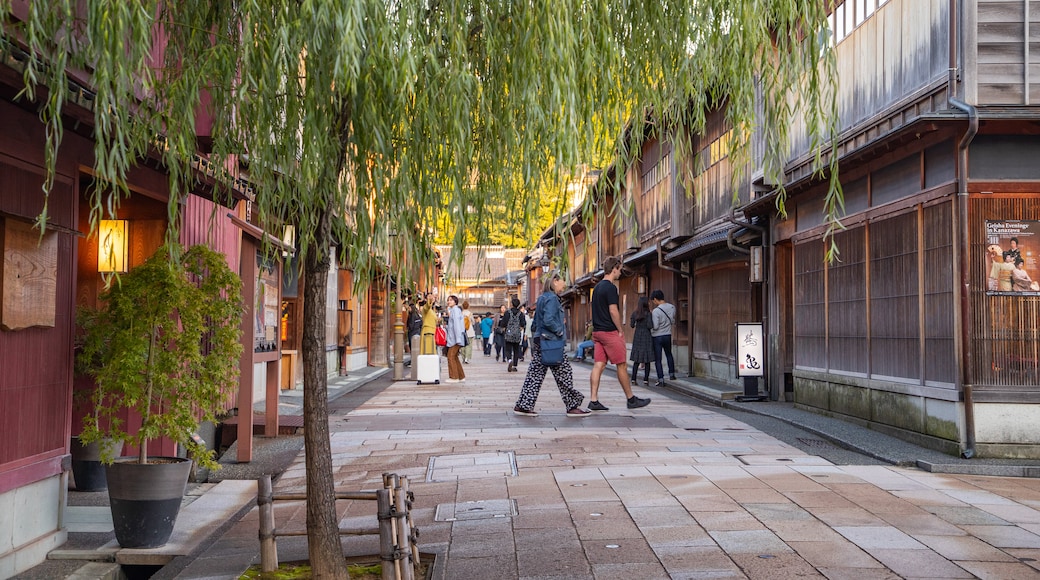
(849, 14)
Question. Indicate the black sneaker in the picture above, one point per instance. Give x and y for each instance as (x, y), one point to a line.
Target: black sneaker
(524, 412)
(597, 406)
(671, 377)
(657, 384)
(634, 402)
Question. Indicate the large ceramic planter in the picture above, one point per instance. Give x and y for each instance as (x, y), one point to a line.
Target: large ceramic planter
(87, 469)
(145, 499)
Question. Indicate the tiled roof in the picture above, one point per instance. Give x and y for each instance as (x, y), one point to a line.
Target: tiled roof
(483, 263)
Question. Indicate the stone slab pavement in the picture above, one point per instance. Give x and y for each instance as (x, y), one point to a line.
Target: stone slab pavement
(678, 489)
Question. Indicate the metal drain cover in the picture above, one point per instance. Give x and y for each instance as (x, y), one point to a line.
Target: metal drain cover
(475, 510)
(471, 466)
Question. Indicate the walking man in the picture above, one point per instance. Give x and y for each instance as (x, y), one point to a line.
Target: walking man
(664, 320)
(608, 338)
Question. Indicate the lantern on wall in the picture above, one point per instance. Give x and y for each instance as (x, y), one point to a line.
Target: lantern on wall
(113, 246)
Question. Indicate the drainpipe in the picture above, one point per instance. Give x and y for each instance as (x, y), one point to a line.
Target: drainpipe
(734, 247)
(661, 264)
(963, 240)
(730, 242)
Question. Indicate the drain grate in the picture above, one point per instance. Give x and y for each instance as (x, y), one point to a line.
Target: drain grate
(475, 510)
(471, 466)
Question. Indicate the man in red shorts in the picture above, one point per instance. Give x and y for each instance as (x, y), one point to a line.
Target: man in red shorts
(607, 337)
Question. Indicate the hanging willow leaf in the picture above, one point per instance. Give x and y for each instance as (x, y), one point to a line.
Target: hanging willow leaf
(424, 119)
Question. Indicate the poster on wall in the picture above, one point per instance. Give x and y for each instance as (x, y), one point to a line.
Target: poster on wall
(1012, 252)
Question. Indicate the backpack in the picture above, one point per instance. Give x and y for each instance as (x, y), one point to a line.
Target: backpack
(466, 322)
(514, 326)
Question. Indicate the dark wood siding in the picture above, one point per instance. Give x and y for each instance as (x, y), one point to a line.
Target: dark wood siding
(655, 189)
(810, 306)
(847, 305)
(894, 322)
(940, 361)
(722, 297)
(885, 308)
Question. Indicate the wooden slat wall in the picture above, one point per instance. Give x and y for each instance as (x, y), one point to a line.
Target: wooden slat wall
(207, 223)
(847, 304)
(654, 199)
(1005, 343)
(722, 298)
(885, 309)
(894, 311)
(940, 361)
(713, 182)
(810, 306)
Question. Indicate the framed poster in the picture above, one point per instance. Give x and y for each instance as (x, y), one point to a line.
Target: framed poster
(750, 350)
(1012, 248)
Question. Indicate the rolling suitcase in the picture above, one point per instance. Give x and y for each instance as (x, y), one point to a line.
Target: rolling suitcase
(428, 369)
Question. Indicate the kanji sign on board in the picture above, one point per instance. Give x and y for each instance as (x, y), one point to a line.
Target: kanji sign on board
(750, 349)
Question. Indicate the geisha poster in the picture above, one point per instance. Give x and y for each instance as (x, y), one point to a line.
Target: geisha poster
(1012, 248)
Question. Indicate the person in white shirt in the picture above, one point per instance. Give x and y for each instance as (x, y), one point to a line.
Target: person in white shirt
(663, 322)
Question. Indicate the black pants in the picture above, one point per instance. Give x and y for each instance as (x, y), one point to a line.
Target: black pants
(663, 347)
(512, 352)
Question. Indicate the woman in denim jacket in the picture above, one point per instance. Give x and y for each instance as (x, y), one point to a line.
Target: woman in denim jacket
(548, 321)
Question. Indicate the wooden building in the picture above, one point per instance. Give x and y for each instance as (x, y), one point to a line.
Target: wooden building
(915, 329)
(487, 276)
(939, 139)
(46, 277)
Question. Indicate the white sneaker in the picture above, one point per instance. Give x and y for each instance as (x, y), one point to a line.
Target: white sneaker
(451, 380)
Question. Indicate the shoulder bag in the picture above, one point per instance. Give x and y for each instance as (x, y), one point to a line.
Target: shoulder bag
(552, 350)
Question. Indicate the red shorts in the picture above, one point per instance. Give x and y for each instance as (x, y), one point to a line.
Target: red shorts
(610, 347)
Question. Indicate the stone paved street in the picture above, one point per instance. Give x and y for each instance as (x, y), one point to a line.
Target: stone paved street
(674, 490)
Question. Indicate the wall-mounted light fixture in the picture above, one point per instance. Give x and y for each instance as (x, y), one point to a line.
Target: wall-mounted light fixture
(756, 265)
(113, 246)
(641, 285)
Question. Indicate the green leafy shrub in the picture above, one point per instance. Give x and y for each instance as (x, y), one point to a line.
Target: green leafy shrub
(165, 343)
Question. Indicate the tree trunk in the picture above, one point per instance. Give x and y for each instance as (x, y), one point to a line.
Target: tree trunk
(324, 550)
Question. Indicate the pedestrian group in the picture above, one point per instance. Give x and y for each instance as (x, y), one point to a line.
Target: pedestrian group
(539, 334)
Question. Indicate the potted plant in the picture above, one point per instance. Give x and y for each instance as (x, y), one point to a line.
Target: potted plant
(163, 345)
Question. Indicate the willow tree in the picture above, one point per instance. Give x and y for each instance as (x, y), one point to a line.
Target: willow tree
(362, 119)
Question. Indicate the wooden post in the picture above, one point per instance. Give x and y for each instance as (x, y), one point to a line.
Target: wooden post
(268, 548)
(413, 534)
(403, 540)
(386, 536)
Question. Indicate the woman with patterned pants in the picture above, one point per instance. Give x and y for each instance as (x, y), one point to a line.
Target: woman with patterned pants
(548, 321)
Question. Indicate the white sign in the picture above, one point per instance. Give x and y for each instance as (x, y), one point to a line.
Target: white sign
(750, 350)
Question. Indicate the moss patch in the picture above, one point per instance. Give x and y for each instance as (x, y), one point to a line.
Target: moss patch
(302, 571)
